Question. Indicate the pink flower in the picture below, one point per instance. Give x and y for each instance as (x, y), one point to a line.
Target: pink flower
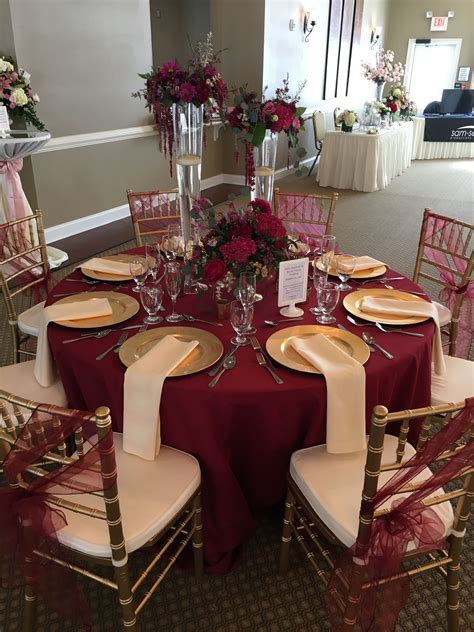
(169, 68)
(186, 92)
(4, 83)
(296, 123)
(238, 250)
(268, 108)
(283, 117)
(261, 205)
(214, 270)
(268, 224)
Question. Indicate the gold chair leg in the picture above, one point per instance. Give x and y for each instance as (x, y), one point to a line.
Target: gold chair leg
(286, 533)
(129, 619)
(452, 585)
(353, 598)
(198, 548)
(29, 615)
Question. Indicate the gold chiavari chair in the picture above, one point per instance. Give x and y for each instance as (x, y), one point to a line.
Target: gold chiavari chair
(319, 129)
(24, 273)
(324, 506)
(158, 504)
(152, 212)
(311, 214)
(445, 258)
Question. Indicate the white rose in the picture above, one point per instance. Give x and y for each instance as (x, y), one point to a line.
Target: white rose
(36, 98)
(20, 97)
(25, 75)
(5, 66)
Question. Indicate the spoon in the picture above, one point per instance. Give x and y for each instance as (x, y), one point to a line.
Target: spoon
(398, 331)
(275, 323)
(229, 363)
(390, 287)
(370, 341)
(192, 319)
(98, 334)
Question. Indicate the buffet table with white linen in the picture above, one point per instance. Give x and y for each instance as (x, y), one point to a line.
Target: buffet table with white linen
(423, 150)
(365, 162)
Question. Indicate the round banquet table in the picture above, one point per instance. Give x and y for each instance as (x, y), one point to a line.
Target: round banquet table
(244, 431)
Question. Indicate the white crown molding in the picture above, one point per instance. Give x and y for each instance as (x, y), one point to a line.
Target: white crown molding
(97, 138)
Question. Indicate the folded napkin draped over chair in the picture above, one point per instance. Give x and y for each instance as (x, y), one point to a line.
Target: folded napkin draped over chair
(345, 383)
(108, 266)
(44, 369)
(395, 307)
(142, 394)
(365, 263)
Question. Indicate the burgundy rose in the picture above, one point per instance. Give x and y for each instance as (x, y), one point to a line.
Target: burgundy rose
(214, 270)
(261, 205)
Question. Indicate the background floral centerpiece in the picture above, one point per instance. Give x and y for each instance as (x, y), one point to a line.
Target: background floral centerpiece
(197, 82)
(399, 102)
(252, 116)
(16, 93)
(385, 70)
(381, 108)
(346, 119)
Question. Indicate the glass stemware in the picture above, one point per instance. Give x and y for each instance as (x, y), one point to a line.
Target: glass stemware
(328, 297)
(175, 240)
(153, 256)
(139, 271)
(173, 279)
(151, 296)
(328, 248)
(320, 277)
(345, 265)
(241, 320)
(247, 291)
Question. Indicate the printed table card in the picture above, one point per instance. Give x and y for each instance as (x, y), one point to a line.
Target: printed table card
(292, 286)
(4, 122)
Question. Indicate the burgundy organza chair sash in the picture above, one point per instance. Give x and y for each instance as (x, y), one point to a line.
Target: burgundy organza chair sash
(437, 233)
(28, 522)
(381, 552)
(304, 207)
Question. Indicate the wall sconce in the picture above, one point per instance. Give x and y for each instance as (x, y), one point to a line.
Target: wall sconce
(375, 36)
(308, 25)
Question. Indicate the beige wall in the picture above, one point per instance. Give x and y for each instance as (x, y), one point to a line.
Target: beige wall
(7, 46)
(408, 20)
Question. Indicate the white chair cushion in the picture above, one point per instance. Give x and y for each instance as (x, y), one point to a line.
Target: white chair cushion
(28, 321)
(151, 493)
(444, 314)
(332, 484)
(456, 384)
(56, 257)
(19, 379)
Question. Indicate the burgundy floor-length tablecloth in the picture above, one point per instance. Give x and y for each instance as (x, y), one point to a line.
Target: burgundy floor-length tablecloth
(243, 431)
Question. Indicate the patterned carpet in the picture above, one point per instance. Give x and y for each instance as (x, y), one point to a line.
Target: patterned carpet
(253, 597)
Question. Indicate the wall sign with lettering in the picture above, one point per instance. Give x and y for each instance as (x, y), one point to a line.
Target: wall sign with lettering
(439, 24)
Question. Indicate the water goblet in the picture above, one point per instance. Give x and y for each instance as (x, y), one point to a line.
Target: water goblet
(173, 279)
(153, 256)
(328, 248)
(175, 240)
(139, 271)
(151, 296)
(328, 297)
(246, 292)
(320, 277)
(345, 265)
(241, 321)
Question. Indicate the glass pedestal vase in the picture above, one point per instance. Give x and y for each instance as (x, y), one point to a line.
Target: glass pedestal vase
(264, 158)
(380, 89)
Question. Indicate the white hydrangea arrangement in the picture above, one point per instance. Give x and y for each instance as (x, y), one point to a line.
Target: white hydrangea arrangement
(16, 93)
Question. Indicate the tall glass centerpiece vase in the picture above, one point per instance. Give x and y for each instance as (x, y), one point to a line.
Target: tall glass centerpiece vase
(380, 89)
(264, 158)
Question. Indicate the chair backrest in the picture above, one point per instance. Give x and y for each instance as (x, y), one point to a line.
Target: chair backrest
(152, 212)
(446, 258)
(36, 436)
(319, 126)
(24, 266)
(310, 214)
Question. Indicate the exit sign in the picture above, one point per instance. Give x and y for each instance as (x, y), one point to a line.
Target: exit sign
(439, 24)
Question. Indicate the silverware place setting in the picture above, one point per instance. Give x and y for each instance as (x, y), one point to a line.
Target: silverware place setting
(119, 343)
(384, 328)
(216, 368)
(376, 280)
(193, 319)
(367, 338)
(264, 359)
(97, 334)
(228, 364)
(342, 328)
(275, 323)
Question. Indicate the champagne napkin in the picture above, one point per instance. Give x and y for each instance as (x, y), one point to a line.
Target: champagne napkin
(365, 263)
(395, 307)
(106, 265)
(142, 394)
(44, 370)
(345, 384)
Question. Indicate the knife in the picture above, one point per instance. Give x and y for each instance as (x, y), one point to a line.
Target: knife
(264, 360)
(216, 368)
(371, 349)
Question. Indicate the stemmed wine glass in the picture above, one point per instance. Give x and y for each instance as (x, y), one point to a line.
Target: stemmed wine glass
(328, 248)
(246, 292)
(139, 271)
(241, 321)
(320, 278)
(151, 296)
(328, 297)
(345, 265)
(175, 240)
(173, 279)
(153, 256)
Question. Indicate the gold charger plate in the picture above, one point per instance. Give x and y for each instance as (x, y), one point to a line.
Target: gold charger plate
(123, 308)
(278, 345)
(208, 351)
(106, 276)
(352, 302)
(369, 273)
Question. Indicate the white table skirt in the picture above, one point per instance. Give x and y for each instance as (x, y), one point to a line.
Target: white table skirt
(428, 151)
(365, 162)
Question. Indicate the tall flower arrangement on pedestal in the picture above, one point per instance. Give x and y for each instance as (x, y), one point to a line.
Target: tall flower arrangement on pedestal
(16, 93)
(198, 83)
(252, 117)
(386, 69)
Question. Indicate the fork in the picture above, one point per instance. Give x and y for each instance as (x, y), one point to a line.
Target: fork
(119, 342)
(390, 287)
(388, 330)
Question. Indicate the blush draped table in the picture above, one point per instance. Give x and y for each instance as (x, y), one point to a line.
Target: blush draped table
(244, 431)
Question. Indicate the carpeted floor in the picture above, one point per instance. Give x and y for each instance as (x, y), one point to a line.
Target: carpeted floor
(253, 597)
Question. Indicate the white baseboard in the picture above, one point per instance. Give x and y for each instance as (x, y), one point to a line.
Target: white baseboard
(83, 224)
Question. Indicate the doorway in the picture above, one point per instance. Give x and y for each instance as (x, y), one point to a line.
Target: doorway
(431, 67)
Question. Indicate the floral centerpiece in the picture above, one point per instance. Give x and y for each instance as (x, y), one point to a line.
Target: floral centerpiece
(251, 117)
(346, 119)
(16, 93)
(197, 82)
(399, 101)
(248, 240)
(385, 69)
(382, 108)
